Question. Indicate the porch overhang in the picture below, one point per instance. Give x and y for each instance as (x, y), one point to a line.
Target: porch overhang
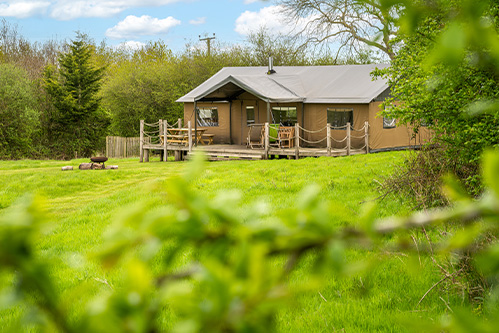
(232, 87)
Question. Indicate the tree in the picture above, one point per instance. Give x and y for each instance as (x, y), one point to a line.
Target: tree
(77, 124)
(350, 24)
(19, 117)
(440, 96)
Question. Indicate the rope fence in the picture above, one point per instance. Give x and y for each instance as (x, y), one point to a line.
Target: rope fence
(298, 136)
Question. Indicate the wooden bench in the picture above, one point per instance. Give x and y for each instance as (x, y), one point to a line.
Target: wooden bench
(209, 137)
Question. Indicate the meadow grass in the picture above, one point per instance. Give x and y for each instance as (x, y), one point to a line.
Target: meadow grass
(81, 205)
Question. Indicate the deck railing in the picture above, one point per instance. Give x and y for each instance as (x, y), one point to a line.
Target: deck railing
(272, 137)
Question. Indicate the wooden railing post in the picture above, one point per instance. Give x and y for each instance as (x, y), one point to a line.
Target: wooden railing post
(297, 141)
(142, 141)
(366, 137)
(190, 135)
(328, 140)
(266, 141)
(165, 147)
(348, 138)
(160, 127)
(178, 153)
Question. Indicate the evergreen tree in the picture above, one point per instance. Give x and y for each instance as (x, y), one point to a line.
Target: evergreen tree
(77, 124)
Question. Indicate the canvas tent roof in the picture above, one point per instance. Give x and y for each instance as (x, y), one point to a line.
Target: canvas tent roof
(307, 84)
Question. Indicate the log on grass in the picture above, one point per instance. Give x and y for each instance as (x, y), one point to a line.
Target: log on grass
(66, 168)
(85, 166)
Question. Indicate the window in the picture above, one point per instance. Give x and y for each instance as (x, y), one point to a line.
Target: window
(340, 118)
(208, 117)
(250, 115)
(389, 122)
(284, 115)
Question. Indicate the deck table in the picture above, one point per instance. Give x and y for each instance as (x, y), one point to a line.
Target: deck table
(181, 136)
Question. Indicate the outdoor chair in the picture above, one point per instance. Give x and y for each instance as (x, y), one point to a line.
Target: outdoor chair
(286, 136)
(256, 137)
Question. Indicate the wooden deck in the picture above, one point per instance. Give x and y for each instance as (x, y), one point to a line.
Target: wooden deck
(225, 152)
(289, 141)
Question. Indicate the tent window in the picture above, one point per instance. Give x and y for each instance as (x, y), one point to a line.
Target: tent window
(250, 115)
(389, 122)
(286, 116)
(208, 117)
(338, 118)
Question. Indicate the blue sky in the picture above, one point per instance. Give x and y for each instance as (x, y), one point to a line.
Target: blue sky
(137, 21)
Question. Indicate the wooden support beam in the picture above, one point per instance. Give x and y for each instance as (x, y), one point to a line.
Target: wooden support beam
(268, 112)
(195, 124)
(230, 122)
(190, 135)
(242, 123)
(266, 141)
(141, 141)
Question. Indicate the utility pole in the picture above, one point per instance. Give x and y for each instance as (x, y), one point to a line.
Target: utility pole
(208, 42)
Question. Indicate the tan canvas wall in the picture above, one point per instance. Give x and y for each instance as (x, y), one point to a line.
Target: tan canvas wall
(221, 131)
(400, 136)
(314, 119)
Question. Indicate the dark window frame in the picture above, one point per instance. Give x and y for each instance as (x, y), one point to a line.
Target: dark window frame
(389, 122)
(249, 121)
(212, 120)
(288, 119)
(342, 115)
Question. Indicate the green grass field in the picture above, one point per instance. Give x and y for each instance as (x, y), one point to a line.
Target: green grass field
(81, 205)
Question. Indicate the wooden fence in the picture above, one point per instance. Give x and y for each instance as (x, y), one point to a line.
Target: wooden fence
(120, 147)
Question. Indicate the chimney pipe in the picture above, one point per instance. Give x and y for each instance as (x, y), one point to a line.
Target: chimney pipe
(271, 66)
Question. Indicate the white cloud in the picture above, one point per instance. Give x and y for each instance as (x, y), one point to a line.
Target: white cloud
(23, 9)
(271, 18)
(198, 21)
(132, 45)
(247, 2)
(133, 26)
(70, 9)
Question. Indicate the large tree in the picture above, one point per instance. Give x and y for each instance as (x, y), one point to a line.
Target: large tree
(439, 76)
(77, 124)
(350, 25)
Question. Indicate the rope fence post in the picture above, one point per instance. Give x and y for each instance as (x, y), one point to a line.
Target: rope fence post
(297, 141)
(189, 126)
(349, 139)
(328, 133)
(178, 153)
(267, 141)
(366, 128)
(165, 147)
(141, 141)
